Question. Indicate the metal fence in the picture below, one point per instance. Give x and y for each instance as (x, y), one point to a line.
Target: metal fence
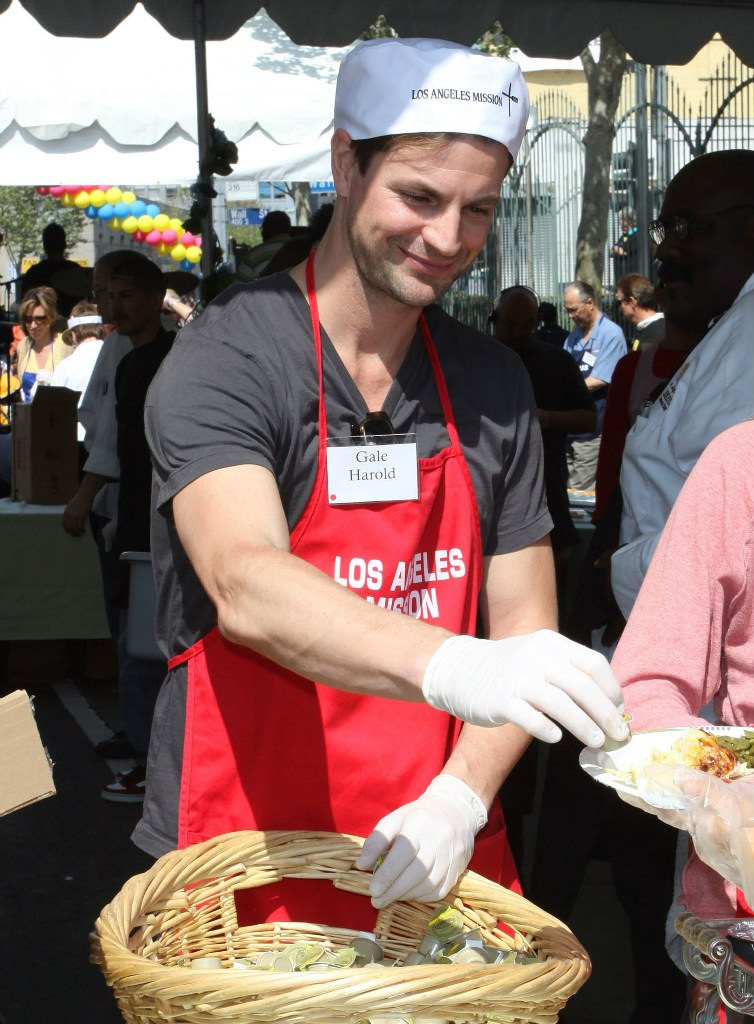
(533, 238)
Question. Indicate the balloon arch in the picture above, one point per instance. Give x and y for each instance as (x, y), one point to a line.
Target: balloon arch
(122, 211)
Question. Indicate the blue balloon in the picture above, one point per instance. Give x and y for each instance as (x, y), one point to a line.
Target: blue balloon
(152, 210)
(138, 208)
(92, 212)
(122, 210)
(187, 265)
(106, 212)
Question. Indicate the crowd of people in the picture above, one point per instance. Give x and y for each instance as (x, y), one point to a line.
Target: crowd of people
(324, 448)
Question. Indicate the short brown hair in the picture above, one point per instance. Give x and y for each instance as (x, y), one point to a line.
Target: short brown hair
(635, 286)
(365, 150)
(77, 334)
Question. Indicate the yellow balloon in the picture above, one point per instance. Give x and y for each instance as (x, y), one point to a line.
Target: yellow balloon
(129, 225)
(113, 195)
(178, 252)
(193, 254)
(97, 197)
(82, 200)
(145, 223)
(161, 221)
(66, 199)
(176, 224)
(114, 223)
(128, 197)
(163, 248)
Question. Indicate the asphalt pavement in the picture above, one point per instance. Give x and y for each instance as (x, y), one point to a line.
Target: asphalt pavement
(63, 859)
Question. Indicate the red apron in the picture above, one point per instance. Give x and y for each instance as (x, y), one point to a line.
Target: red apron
(267, 749)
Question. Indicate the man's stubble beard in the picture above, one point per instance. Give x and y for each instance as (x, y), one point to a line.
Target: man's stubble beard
(379, 274)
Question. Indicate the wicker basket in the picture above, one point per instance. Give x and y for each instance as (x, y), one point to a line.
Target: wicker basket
(183, 908)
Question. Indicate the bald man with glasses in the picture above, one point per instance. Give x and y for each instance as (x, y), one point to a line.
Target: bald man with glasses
(705, 245)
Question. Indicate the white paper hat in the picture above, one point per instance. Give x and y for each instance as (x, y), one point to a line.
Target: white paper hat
(405, 86)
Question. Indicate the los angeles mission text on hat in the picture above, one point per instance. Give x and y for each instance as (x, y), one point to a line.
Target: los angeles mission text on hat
(462, 94)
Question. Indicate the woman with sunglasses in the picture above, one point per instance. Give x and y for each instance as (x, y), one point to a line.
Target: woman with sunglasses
(39, 351)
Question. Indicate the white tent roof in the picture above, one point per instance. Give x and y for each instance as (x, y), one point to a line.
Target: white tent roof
(126, 104)
(131, 116)
(653, 31)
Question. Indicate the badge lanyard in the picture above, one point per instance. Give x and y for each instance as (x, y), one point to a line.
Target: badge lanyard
(368, 468)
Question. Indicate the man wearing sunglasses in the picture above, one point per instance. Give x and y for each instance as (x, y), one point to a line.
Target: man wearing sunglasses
(705, 244)
(344, 476)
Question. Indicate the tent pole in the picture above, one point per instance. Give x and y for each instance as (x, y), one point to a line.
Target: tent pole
(202, 114)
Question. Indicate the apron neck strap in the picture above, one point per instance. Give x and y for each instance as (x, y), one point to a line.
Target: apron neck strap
(311, 294)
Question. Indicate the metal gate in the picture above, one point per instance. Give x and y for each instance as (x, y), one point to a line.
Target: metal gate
(533, 239)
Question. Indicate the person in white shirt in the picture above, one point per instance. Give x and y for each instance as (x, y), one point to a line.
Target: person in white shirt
(705, 245)
(87, 333)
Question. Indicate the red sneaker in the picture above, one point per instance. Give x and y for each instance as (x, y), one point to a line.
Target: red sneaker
(126, 787)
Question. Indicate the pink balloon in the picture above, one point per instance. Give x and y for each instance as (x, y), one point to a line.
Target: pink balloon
(72, 189)
(169, 236)
(198, 240)
(154, 237)
(187, 238)
(57, 190)
(139, 236)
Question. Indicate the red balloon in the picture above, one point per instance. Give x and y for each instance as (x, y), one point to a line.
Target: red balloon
(43, 190)
(57, 190)
(138, 235)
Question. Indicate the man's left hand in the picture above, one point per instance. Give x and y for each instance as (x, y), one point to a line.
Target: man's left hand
(427, 843)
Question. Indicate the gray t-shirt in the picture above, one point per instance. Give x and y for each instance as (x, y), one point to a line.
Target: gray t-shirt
(240, 387)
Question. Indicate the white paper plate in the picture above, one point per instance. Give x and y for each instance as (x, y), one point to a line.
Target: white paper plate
(601, 765)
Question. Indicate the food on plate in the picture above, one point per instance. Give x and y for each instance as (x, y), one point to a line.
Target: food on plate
(742, 746)
(704, 752)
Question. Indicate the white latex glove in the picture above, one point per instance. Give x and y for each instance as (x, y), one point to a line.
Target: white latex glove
(430, 842)
(521, 680)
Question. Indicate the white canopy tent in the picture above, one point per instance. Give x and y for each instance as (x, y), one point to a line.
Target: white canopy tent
(274, 99)
(124, 108)
(653, 31)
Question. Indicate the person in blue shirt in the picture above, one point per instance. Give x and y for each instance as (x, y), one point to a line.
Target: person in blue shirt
(596, 343)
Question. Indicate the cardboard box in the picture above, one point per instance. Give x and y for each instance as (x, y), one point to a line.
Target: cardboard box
(45, 468)
(25, 768)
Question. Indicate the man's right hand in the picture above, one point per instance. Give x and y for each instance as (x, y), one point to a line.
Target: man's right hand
(527, 680)
(76, 513)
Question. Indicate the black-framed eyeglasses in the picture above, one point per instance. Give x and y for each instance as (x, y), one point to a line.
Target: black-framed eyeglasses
(374, 424)
(679, 227)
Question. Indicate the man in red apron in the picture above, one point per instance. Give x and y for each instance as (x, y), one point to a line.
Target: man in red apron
(346, 483)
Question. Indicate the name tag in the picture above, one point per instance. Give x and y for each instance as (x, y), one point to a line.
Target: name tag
(364, 474)
(589, 358)
(667, 396)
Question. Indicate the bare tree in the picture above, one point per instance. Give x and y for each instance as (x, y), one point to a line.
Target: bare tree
(301, 193)
(604, 81)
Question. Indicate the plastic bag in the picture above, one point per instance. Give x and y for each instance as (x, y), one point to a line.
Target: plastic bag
(718, 815)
